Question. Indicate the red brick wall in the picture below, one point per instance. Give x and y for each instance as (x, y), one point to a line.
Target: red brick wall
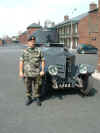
(89, 31)
(1, 43)
(83, 31)
(98, 38)
(23, 38)
(93, 27)
(31, 30)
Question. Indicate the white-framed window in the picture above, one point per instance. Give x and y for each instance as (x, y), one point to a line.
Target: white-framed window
(75, 28)
(61, 40)
(68, 29)
(63, 30)
(75, 43)
(60, 31)
(68, 42)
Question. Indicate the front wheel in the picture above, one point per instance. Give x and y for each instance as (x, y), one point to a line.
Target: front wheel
(46, 85)
(87, 85)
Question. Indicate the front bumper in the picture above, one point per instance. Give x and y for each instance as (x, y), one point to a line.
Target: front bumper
(58, 82)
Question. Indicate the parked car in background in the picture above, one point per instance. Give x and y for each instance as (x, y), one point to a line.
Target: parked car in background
(86, 49)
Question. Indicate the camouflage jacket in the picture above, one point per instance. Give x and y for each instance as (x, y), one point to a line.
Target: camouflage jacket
(32, 58)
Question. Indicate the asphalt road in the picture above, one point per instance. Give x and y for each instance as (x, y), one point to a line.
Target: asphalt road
(60, 113)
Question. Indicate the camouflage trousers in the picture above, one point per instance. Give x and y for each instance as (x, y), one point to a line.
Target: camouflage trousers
(33, 85)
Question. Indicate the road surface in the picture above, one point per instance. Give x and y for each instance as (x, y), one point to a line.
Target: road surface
(60, 113)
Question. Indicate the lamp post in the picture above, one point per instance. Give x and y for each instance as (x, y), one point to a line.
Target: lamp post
(71, 46)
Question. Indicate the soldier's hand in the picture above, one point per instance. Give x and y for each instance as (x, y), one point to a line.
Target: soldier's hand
(21, 75)
(41, 73)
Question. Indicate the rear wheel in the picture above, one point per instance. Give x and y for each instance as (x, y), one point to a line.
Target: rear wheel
(87, 85)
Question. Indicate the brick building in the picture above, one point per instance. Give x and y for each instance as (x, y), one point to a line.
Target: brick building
(84, 28)
(30, 30)
(23, 38)
(1, 42)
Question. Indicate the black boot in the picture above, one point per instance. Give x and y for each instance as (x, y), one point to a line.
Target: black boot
(38, 101)
(28, 100)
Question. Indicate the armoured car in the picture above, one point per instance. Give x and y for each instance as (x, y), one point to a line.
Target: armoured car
(68, 68)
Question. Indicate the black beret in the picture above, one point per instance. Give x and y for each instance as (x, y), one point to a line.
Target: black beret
(31, 37)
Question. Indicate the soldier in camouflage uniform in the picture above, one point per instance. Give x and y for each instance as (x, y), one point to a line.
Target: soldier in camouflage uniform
(29, 69)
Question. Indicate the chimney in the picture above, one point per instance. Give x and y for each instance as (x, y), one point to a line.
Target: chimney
(66, 18)
(93, 6)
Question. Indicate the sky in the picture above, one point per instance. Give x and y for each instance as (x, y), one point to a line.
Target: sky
(17, 15)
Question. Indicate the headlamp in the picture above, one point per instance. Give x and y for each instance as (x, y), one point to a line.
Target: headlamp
(83, 68)
(53, 70)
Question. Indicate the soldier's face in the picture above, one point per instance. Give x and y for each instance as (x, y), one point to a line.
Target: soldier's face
(31, 43)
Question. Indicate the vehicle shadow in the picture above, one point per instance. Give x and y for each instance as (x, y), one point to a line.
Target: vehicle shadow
(60, 94)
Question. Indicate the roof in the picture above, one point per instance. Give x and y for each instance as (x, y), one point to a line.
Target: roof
(34, 25)
(74, 19)
(77, 18)
(45, 36)
(93, 10)
(25, 32)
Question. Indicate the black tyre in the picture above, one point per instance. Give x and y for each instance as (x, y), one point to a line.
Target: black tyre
(46, 85)
(87, 85)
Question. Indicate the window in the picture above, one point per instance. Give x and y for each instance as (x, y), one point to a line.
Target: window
(75, 43)
(68, 30)
(75, 28)
(68, 43)
(60, 31)
(63, 30)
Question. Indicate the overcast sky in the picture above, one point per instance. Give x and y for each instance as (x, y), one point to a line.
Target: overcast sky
(16, 15)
